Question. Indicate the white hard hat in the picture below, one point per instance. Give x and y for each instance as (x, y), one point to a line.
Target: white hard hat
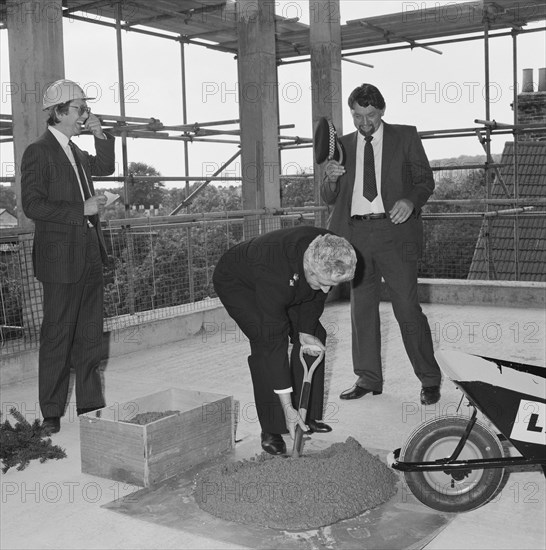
(62, 91)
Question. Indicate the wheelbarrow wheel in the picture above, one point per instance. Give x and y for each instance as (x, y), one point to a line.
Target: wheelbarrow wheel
(455, 491)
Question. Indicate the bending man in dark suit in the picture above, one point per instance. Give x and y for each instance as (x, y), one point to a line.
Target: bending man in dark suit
(68, 253)
(274, 286)
(377, 199)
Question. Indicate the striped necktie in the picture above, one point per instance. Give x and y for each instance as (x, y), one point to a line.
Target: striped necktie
(81, 173)
(94, 220)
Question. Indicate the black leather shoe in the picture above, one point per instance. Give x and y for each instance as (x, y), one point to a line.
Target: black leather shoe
(430, 395)
(51, 425)
(273, 444)
(317, 427)
(356, 392)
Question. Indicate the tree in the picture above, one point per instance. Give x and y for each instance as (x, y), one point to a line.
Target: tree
(298, 191)
(142, 193)
(217, 199)
(469, 186)
(450, 243)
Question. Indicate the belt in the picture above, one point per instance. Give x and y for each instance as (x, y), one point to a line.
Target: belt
(380, 216)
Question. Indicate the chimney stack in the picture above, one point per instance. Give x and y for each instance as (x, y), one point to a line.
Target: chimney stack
(542, 80)
(527, 83)
(532, 104)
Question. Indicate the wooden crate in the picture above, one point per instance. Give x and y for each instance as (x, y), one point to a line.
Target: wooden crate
(147, 454)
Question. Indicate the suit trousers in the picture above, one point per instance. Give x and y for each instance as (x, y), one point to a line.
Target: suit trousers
(71, 337)
(388, 251)
(240, 303)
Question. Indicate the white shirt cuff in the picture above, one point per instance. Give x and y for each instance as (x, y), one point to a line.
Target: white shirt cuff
(286, 390)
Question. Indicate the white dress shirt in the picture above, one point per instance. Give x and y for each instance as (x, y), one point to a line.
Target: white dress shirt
(359, 204)
(63, 141)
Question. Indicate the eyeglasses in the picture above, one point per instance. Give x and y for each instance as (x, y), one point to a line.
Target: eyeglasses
(81, 109)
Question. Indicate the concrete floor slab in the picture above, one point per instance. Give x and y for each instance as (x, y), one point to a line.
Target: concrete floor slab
(63, 508)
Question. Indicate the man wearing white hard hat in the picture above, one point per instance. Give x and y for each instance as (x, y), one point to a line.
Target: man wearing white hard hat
(69, 251)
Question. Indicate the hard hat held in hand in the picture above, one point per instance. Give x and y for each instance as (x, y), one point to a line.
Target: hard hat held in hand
(62, 91)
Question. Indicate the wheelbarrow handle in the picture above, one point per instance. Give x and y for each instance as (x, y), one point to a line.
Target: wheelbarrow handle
(304, 398)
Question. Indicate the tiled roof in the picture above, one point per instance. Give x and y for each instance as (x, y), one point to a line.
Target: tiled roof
(497, 235)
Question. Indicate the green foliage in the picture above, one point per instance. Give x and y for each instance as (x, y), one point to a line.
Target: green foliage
(147, 194)
(23, 442)
(458, 186)
(450, 243)
(10, 291)
(154, 270)
(298, 191)
(216, 199)
(8, 199)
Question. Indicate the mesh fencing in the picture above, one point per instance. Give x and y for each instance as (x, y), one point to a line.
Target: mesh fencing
(155, 271)
(159, 269)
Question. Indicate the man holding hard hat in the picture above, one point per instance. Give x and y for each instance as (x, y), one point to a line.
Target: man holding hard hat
(376, 191)
(69, 251)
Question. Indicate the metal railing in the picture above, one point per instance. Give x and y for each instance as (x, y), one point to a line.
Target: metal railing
(162, 266)
(159, 267)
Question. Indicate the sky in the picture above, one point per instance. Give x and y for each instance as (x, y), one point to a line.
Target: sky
(420, 87)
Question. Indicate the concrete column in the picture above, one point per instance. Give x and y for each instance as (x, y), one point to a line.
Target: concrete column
(258, 104)
(35, 36)
(36, 58)
(325, 45)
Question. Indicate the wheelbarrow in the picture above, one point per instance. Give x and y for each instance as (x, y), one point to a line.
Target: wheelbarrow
(455, 463)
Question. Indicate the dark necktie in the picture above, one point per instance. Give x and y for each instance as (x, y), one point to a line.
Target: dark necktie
(369, 186)
(81, 173)
(83, 180)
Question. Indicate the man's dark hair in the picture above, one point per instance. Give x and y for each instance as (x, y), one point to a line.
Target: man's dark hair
(367, 94)
(61, 108)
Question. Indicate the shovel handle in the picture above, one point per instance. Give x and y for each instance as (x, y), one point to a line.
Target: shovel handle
(304, 399)
(308, 373)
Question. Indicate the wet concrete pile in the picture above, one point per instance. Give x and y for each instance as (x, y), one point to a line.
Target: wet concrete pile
(308, 492)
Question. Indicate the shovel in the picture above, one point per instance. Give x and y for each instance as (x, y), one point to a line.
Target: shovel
(304, 399)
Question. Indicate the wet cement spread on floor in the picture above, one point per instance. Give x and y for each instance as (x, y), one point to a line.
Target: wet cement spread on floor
(337, 483)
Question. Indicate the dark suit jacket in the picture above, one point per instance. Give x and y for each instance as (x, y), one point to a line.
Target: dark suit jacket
(51, 197)
(405, 174)
(271, 268)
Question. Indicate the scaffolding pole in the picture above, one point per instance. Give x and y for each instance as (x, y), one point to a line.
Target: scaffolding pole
(184, 109)
(516, 166)
(487, 146)
(121, 83)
